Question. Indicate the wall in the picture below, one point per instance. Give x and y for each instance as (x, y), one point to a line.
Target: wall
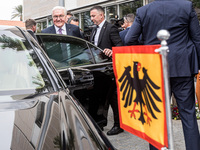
(69, 4)
(38, 8)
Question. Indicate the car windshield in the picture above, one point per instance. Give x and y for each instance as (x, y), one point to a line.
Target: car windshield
(19, 65)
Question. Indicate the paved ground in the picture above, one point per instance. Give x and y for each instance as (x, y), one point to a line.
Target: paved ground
(127, 141)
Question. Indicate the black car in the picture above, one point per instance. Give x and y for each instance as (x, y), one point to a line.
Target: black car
(36, 108)
(86, 70)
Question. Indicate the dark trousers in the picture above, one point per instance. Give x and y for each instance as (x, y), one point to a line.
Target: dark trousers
(114, 106)
(183, 90)
(113, 102)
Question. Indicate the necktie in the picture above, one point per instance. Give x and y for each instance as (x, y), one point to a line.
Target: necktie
(60, 31)
(63, 46)
(94, 33)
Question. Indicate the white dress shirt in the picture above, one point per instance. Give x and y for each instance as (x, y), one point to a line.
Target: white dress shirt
(96, 38)
(63, 29)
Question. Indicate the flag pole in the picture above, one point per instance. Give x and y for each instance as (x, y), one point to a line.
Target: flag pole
(164, 35)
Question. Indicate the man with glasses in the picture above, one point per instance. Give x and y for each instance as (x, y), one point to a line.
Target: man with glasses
(60, 27)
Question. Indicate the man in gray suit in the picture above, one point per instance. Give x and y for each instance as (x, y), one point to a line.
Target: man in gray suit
(180, 19)
(60, 27)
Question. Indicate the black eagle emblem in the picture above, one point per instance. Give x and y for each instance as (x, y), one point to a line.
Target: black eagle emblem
(141, 87)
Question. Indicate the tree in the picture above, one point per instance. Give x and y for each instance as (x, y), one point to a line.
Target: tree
(17, 12)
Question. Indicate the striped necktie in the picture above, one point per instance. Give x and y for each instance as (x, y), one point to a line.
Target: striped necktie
(60, 31)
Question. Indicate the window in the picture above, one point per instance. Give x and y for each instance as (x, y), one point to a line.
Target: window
(99, 56)
(86, 24)
(22, 70)
(111, 13)
(130, 7)
(66, 51)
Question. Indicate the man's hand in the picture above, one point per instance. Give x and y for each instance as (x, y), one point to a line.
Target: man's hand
(198, 75)
(107, 52)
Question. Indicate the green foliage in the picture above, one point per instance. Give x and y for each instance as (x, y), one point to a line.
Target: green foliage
(196, 3)
(176, 115)
(17, 12)
(10, 42)
(131, 7)
(175, 112)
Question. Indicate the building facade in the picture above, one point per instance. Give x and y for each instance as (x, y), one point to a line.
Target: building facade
(40, 10)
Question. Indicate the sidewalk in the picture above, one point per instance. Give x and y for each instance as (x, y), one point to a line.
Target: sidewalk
(128, 141)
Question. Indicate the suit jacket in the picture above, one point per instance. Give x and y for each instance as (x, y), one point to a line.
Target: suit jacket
(71, 29)
(32, 34)
(180, 19)
(108, 37)
(123, 33)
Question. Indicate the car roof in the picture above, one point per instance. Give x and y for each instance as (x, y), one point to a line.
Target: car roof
(6, 27)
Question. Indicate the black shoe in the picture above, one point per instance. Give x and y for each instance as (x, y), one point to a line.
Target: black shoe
(115, 130)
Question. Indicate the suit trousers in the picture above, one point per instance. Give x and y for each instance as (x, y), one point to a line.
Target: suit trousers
(113, 102)
(183, 90)
(114, 105)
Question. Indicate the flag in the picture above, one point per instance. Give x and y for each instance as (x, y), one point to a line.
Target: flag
(140, 89)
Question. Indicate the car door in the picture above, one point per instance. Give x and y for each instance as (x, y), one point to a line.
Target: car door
(84, 68)
(37, 112)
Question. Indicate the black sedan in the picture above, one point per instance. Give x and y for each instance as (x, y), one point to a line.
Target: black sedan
(36, 109)
(86, 70)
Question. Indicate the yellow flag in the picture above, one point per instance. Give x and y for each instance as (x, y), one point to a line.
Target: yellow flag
(141, 98)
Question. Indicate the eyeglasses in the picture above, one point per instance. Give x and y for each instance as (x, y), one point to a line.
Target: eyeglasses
(56, 17)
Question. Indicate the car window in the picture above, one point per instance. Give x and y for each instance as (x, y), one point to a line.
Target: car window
(99, 56)
(66, 51)
(19, 66)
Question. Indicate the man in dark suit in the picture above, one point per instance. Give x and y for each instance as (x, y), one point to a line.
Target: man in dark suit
(106, 36)
(60, 27)
(128, 21)
(30, 25)
(180, 19)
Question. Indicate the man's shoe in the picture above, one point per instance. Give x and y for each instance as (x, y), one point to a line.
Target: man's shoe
(115, 130)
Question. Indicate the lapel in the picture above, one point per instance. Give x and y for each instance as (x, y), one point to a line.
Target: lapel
(68, 29)
(53, 30)
(102, 32)
(93, 33)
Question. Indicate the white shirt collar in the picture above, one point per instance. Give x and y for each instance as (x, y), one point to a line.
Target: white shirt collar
(96, 38)
(63, 29)
(101, 24)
